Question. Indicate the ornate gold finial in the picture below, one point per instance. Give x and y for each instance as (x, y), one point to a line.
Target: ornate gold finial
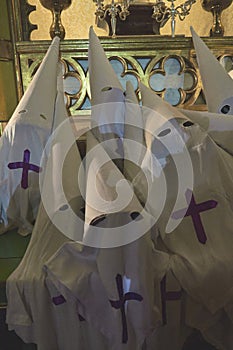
(56, 7)
(216, 7)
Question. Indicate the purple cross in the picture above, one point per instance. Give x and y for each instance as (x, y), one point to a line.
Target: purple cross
(120, 304)
(26, 166)
(167, 296)
(194, 211)
(58, 300)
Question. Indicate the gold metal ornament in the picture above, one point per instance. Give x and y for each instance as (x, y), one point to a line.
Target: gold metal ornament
(56, 7)
(216, 7)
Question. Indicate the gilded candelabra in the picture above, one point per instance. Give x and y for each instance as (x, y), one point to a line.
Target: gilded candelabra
(56, 7)
(161, 11)
(113, 9)
(216, 7)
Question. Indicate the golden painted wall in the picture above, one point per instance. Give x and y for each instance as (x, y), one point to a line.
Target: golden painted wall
(80, 16)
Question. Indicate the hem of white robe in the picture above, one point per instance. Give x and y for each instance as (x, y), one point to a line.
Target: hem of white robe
(25, 332)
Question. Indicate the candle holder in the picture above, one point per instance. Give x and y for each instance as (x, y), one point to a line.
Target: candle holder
(161, 11)
(56, 7)
(216, 7)
(114, 9)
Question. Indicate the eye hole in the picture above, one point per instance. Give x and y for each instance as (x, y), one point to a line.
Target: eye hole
(107, 88)
(135, 215)
(187, 124)
(23, 111)
(98, 220)
(164, 132)
(225, 109)
(64, 207)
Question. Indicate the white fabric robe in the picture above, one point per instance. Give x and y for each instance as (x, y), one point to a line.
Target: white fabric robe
(24, 138)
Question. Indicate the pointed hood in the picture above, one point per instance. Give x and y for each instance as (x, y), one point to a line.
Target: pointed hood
(217, 84)
(167, 124)
(218, 126)
(108, 109)
(104, 84)
(162, 110)
(61, 192)
(109, 199)
(23, 141)
(169, 136)
(37, 104)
